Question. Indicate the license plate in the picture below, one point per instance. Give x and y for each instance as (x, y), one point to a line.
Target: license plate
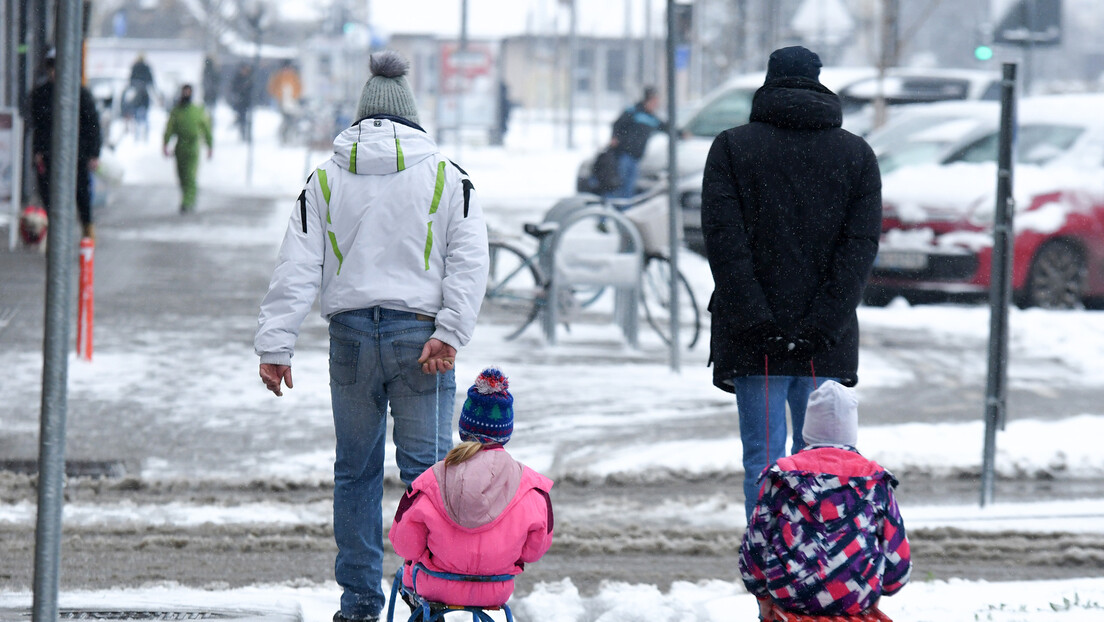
(901, 260)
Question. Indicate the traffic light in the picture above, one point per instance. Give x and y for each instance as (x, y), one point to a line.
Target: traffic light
(983, 52)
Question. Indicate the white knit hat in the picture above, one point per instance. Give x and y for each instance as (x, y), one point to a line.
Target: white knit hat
(832, 417)
(387, 91)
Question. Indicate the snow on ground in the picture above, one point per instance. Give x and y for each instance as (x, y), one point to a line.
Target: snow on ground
(517, 184)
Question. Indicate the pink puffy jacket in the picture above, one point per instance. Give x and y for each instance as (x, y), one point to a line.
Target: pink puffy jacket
(487, 516)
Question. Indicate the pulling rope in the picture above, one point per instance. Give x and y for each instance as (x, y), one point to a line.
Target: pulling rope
(766, 388)
(437, 419)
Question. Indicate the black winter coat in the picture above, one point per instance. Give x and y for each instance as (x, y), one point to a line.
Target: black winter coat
(791, 213)
(40, 118)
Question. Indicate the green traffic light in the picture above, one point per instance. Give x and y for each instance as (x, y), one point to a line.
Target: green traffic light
(983, 52)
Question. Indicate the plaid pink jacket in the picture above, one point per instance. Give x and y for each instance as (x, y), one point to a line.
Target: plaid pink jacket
(826, 536)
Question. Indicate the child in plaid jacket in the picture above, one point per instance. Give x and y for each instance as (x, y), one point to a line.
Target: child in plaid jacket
(826, 537)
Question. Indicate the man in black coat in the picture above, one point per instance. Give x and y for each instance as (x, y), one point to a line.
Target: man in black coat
(791, 214)
(40, 118)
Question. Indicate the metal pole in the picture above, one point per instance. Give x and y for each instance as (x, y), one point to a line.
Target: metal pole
(462, 78)
(1000, 292)
(255, 19)
(572, 61)
(673, 211)
(55, 372)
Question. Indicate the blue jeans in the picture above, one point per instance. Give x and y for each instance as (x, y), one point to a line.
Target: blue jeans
(628, 168)
(374, 363)
(751, 403)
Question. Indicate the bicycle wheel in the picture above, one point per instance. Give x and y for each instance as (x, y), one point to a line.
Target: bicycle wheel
(515, 289)
(655, 294)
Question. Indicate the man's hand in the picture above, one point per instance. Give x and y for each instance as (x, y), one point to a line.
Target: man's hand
(93, 164)
(437, 356)
(165, 150)
(273, 375)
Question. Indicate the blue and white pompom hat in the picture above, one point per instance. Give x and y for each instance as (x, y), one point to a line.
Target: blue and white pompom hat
(488, 413)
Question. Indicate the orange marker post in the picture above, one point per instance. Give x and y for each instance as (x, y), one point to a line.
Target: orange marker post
(86, 299)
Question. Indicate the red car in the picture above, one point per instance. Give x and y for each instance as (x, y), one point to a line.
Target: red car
(937, 237)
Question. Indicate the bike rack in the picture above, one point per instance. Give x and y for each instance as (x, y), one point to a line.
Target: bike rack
(620, 268)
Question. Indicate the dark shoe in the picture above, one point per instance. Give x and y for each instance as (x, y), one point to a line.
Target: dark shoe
(340, 618)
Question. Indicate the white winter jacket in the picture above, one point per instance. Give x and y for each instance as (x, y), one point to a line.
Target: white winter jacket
(388, 221)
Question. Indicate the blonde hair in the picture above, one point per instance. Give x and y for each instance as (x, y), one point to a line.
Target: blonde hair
(462, 452)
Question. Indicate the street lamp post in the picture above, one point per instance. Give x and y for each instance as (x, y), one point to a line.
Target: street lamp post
(256, 15)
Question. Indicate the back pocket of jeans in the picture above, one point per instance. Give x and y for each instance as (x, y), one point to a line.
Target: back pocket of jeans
(343, 361)
(413, 378)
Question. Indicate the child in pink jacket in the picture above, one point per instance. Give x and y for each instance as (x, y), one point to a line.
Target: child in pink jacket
(478, 511)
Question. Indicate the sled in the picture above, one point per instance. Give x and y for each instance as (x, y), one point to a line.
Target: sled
(872, 614)
(429, 611)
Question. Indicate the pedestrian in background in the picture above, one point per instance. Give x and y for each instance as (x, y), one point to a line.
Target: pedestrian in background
(241, 100)
(211, 83)
(791, 216)
(40, 116)
(137, 98)
(285, 88)
(826, 537)
(392, 235)
(631, 132)
(188, 122)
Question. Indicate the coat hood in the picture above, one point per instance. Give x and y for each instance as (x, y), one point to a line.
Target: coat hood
(797, 103)
(475, 493)
(839, 474)
(381, 145)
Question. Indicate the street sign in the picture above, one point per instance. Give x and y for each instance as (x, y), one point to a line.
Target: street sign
(1030, 22)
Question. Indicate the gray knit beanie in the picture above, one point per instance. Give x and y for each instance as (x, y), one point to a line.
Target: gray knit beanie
(832, 417)
(387, 91)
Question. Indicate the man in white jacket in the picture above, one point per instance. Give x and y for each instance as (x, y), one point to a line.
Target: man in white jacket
(391, 234)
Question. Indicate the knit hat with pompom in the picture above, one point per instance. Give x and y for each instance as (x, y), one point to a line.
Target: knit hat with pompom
(488, 413)
(387, 91)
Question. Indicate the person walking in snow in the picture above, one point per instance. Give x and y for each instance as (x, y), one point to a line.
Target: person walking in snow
(791, 216)
(630, 135)
(826, 536)
(189, 123)
(137, 96)
(391, 235)
(478, 511)
(40, 119)
(212, 80)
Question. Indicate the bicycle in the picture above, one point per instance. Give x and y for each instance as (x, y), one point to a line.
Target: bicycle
(518, 288)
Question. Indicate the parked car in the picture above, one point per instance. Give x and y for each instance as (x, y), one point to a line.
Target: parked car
(730, 105)
(931, 133)
(937, 218)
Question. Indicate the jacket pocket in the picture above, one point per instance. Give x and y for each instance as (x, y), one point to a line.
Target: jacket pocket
(343, 361)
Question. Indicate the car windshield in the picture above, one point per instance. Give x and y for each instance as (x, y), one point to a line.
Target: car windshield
(910, 154)
(729, 110)
(1035, 144)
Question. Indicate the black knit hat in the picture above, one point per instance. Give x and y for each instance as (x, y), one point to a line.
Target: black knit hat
(793, 62)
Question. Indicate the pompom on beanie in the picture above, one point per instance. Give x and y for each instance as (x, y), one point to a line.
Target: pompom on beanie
(387, 91)
(488, 414)
(832, 417)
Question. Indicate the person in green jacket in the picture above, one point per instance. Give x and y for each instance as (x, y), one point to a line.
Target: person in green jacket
(188, 122)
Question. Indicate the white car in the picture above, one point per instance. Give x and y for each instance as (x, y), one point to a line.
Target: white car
(730, 105)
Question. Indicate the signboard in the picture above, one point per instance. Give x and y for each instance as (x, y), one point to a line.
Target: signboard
(1030, 22)
(461, 68)
(468, 87)
(11, 149)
